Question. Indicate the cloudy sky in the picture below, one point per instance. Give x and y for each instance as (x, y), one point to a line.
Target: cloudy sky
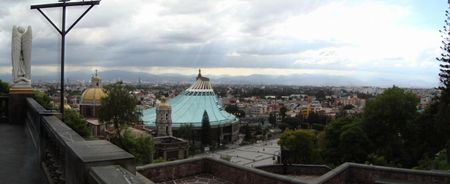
(364, 39)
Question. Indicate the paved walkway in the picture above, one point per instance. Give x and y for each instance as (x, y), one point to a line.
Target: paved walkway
(18, 158)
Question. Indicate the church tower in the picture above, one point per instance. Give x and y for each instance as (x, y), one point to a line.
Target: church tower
(91, 97)
(163, 118)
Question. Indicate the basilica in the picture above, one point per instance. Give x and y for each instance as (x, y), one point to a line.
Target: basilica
(188, 108)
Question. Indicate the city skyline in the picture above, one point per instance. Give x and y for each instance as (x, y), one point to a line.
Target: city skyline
(369, 41)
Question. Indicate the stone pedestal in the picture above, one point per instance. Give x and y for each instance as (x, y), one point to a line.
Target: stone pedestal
(17, 103)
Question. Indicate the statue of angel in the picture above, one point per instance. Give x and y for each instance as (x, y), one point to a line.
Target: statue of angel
(21, 56)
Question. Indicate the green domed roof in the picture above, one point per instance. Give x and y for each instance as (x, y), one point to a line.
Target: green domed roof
(189, 106)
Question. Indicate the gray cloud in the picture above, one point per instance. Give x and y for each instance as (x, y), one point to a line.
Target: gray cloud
(172, 33)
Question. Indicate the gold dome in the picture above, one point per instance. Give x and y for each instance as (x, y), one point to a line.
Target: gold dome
(163, 105)
(93, 96)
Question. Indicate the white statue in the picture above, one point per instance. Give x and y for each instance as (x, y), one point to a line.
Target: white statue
(21, 56)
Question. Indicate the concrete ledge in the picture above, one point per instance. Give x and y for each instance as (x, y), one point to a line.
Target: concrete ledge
(82, 156)
(59, 130)
(360, 173)
(333, 174)
(70, 154)
(111, 174)
(167, 171)
(143, 179)
(296, 169)
(188, 167)
(171, 163)
(251, 175)
(394, 169)
(35, 106)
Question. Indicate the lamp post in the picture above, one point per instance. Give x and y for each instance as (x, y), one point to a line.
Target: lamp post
(63, 31)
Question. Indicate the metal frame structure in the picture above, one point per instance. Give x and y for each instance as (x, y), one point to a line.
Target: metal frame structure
(64, 4)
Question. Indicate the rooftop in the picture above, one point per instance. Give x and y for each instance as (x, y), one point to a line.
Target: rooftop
(188, 107)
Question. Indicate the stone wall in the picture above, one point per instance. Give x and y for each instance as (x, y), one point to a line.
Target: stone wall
(222, 169)
(339, 175)
(344, 174)
(367, 174)
(296, 169)
(172, 170)
(67, 157)
(244, 175)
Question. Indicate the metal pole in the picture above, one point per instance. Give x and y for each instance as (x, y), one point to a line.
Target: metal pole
(63, 46)
(64, 4)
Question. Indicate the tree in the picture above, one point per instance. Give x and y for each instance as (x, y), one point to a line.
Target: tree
(443, 105)
(444, 75)
(206, 130)
(272, 119)
(348, 107)
(292, 122)
(140, 146)
(42, 99)
(76, 122)
(283, 111)
(430, 135)
(301, 144)
(387, 121)
(440, 162)
(118, 107)
(4, 88)
(341, 136)
(186, 131)
(320, 95)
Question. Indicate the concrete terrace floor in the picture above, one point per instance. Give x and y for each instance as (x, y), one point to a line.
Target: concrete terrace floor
(18, 157)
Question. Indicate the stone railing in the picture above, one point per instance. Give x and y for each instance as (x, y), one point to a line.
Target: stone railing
(368, 174)
(296, 169)
(222, 169)
(68, 158)
(344, 174)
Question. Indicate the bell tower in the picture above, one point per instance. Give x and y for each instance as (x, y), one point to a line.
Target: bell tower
(163, 118)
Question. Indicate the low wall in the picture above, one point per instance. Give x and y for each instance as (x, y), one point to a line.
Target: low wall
(245, 175)
(172, 170)
(296, 169)
(189, 167)
(66, 157)
(367, 174)
(339, 175)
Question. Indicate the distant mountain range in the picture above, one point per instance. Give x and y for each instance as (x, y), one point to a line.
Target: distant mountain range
(301, 79)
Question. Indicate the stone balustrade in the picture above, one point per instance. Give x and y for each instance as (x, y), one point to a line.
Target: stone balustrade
(68, 158)
(233, 173)
(369, 174)
(296, 169)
